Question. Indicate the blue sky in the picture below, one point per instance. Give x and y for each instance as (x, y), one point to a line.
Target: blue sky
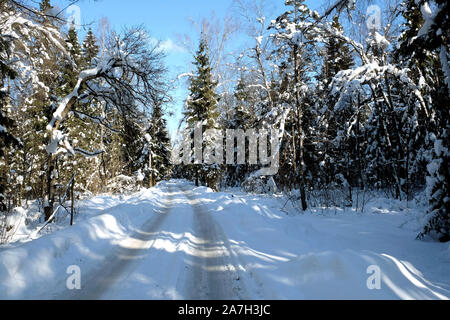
(165, 20)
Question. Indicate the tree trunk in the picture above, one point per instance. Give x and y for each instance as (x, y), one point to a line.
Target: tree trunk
(48, 206)
(72, 202)
(151, 178)
(301, 174)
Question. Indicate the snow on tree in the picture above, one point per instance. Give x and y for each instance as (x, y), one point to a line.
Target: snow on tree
(7, 139)
(90, 48)
(433, 36)
(156, 153)
(201, 109)
(352, 112)
(294, 55)
(31, 41)
(131, 70)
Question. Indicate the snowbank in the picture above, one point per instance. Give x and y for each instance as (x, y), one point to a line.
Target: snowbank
(325, 254)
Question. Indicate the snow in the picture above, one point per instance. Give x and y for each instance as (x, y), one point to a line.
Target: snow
(140, 176)
(185, 75)
(443, 57)
(57, 115)
(259, 40)
(428, 18)
(377, 40)
(57, 136)
(326, 253)
(37, 269)
(321, 255)
(90, 72)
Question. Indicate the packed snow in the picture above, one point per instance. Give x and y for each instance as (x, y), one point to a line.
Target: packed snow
(147, 246)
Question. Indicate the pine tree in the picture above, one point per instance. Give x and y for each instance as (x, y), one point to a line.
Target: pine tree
(415, 142)
(202, 108)
(337, 57)
(90, 48)
(157, 152)
(434, 37)
(296, 58)
(243, 118)
(132, 121)
(7, 139)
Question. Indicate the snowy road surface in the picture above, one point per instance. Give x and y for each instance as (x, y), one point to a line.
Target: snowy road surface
(211, 270)
(176, 241)
(214, 270)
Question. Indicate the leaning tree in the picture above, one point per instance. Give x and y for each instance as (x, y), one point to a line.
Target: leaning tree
(131, 73)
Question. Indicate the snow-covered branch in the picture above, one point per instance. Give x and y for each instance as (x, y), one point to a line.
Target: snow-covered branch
(130, 72)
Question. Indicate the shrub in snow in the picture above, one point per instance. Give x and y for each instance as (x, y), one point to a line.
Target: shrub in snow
(259, 184)
(124, 184)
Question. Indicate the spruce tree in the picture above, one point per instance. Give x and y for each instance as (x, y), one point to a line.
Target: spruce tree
(74, 45)
(202, 108)
(416, 122)
(131, 123)
(425, 51)
(72, 64)
(243, 118)
(337, 57)
(7, 139)
(436, 39)
(295, 53)
(157, 152)
(90, 48)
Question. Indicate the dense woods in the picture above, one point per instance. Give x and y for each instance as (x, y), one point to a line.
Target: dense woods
(360, 101)
(87, 109)
(360, 104)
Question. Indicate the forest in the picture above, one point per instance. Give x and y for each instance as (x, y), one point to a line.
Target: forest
(357, 93)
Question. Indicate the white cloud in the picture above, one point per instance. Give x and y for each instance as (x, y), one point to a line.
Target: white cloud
(169, 46)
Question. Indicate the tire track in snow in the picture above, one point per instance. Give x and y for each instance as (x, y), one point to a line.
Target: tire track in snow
(118, 264)
(214, 271)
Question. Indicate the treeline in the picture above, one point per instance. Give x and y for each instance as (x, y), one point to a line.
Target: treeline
(360, 102)
(359, 99)
(90, 109)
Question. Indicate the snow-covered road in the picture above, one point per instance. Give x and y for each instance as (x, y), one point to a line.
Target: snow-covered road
(176, 241)
(211, 270)
(125, 256)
